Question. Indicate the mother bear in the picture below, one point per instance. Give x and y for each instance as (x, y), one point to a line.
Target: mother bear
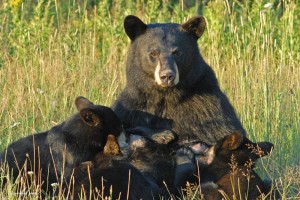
(170, 88)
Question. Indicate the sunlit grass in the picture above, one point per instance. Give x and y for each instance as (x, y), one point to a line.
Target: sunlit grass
(52, 51)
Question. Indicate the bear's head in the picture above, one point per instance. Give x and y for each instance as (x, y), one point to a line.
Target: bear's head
(241, 149)
(231, 171)
(163, 55)
(233, 148)
(93, 123)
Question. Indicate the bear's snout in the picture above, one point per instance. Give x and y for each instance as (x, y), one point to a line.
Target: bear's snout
(166, 74)
(167, 77)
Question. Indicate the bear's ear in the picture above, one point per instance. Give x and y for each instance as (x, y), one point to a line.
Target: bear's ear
(264, 148)
(195, 25)
(82, 102)
(233, 141)
(89, 117)
(134, 26)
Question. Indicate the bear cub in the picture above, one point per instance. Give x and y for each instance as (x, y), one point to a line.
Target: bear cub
(58, 151)
(113, 174)
(231, 171)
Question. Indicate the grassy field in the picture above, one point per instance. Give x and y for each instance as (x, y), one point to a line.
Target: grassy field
(52, 51)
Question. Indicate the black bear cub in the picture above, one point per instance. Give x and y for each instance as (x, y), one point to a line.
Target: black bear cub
(112, 174)
(55, 153)
(231, 171)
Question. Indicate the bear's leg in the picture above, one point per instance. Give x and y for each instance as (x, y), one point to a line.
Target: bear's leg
(188, 159)
(185, 167)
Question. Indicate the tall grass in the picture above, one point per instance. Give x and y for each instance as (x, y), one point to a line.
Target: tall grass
(52, 51)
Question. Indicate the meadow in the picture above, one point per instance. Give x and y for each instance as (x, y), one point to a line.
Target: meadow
(52, 51)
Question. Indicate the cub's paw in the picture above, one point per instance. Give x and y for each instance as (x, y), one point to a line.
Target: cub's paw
(111, 147)
(164, 137)
(84, 166)
(137, 141)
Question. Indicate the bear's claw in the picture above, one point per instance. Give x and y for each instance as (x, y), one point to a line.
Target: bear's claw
(164, 137)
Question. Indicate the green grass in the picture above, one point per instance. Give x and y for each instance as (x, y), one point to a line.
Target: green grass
(52, 51)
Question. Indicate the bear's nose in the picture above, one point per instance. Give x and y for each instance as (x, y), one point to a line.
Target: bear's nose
(167, 77)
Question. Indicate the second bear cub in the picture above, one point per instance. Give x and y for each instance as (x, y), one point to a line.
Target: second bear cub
(231, 171)
(55, 153)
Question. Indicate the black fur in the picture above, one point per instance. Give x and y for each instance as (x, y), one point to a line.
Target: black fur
(76, 140)
(195, 108)
(154, 161)
(133, 173)
(232, 169)
(111, 178)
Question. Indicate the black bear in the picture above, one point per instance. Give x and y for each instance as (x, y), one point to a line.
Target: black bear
(170, 88)
(231, 172)
(55, 153)
(113, 175)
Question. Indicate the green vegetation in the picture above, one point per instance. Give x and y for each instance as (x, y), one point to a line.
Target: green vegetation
(53, 51)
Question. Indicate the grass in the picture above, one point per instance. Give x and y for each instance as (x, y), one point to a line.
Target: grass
(52, 51)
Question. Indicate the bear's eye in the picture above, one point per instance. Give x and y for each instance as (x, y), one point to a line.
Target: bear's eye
(176, 52)
(154, 53)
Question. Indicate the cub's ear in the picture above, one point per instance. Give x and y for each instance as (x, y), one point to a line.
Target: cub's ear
(233, 141)
(264, 148)
(82, 102)
(195, 25)
(89, 117)
(134, 26)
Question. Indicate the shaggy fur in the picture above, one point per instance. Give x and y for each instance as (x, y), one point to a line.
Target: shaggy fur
(194, 108)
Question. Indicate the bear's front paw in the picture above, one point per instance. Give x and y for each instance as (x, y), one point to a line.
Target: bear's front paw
(84, 166)
(137, 141)
(164, 137)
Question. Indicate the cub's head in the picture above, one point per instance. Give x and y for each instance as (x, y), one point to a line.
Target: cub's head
(93, 123)
(164, 54)
(241, 149)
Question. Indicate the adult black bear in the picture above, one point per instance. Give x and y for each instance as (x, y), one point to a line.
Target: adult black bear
(231, 170)
(169, 86)
(58, 151)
